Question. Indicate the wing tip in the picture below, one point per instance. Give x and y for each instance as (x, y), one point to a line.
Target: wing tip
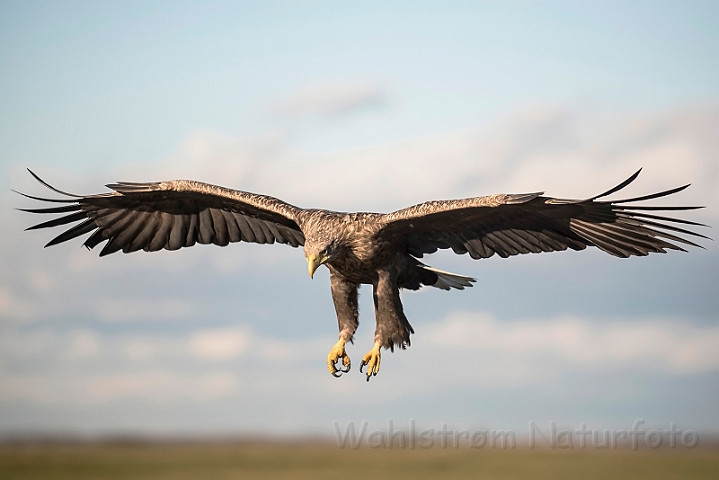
(50, 187)
(618, 187)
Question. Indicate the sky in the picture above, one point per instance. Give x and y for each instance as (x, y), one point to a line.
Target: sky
(370, 106)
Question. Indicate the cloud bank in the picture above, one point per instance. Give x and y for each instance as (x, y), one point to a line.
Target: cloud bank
(565, 153)
(89, 367)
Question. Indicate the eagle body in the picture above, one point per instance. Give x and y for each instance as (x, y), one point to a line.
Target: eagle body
(354, 235)
(382, 250)
(361, 255)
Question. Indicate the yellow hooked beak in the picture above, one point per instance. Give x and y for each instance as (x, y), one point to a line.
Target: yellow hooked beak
(313, 263)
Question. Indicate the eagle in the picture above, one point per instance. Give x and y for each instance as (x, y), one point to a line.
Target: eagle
(382, 250)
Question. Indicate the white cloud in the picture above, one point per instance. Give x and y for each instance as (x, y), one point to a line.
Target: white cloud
(132, 310)
(465, 349)
(41, 280)
(668, 346)
(331, 99)
(154, 385)
(140, 350)
(218, 344)
(13, 308)
(83, 344)
(161, 386)
(18, 346)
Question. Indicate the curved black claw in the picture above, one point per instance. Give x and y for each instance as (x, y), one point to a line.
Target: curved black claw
(338, 356)
(371, 361)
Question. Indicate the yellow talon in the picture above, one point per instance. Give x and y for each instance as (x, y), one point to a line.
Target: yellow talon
(372, 360)
(337, 353)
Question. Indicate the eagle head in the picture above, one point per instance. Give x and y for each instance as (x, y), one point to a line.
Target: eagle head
(319, 251)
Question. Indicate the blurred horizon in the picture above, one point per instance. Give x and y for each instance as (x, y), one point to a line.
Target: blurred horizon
(355, 107)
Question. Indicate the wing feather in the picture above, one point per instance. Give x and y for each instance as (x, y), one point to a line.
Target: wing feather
(171, 215)
(510, 224)
(232, 229)
(269, 238)
(207, 232)
(94, 239)
(126, 236)
(111, 246)
(63, 209)
(165, 222)
(122, 221)
(220, 227)
(60, 221)
(256, 230)
(192, 230)
(106, 216)
(145, 234)
(480, 249)
(178, 233)
(527, 242)
(76, 231)
(659, 217)
(275, 232)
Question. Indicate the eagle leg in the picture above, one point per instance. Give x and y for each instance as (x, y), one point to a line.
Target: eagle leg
(336, 354)
(372, 360)
(345, 298)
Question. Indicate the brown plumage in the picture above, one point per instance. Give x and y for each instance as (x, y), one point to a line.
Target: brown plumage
(367, 248)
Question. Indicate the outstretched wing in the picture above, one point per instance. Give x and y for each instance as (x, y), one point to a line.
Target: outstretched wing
(171, 215)
(530, 223)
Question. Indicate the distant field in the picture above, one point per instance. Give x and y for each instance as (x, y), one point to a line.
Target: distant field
(326, 461)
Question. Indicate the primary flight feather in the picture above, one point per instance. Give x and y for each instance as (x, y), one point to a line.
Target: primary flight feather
(366, 248)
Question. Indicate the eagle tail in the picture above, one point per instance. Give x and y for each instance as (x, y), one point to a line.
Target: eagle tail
(448, 280)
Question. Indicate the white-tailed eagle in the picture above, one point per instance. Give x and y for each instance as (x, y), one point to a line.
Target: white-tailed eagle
(378, 249)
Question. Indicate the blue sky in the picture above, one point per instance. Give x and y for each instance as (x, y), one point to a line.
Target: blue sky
(108, 84)
(351, 106)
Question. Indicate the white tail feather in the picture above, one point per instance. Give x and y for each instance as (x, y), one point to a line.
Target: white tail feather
(447, 280)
